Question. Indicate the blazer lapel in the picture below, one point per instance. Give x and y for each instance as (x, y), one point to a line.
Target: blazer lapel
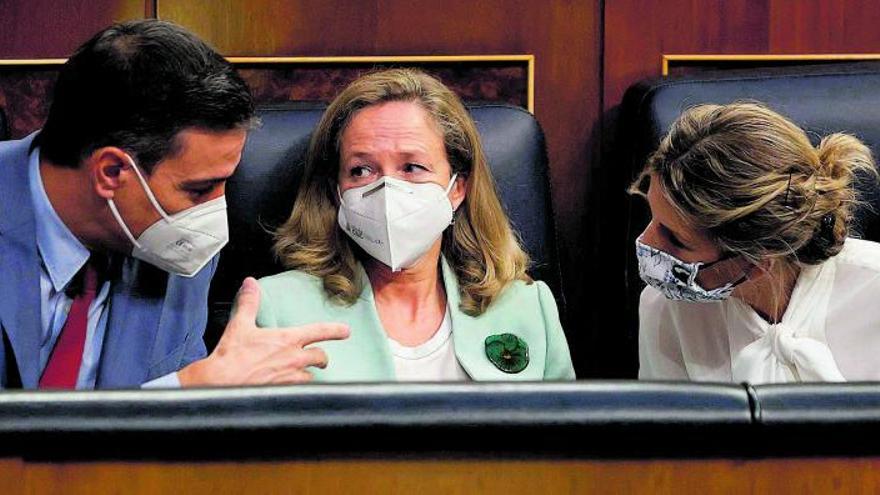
(131, 331)
(19, 263)
(20, 304)
(469, 336)
(365, 355)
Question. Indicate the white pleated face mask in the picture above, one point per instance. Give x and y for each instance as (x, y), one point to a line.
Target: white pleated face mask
(182, 243)
(396, 221)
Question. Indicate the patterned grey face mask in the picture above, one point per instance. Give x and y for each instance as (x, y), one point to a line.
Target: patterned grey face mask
(677, 279)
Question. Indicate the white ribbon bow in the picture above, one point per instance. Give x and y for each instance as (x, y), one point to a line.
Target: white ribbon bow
(780, 356)
(795, 349)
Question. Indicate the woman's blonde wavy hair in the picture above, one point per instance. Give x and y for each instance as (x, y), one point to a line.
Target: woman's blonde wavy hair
(481, 246)
(751, 179)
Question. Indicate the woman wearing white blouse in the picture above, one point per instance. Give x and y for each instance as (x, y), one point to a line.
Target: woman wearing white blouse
(751, 274)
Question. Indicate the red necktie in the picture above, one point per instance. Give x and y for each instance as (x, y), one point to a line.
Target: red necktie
(63, 367)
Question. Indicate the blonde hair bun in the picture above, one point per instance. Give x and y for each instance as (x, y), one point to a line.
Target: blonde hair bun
(841, 158)
(751, 178)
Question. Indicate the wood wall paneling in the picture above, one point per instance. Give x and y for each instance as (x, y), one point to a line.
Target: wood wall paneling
(51, 29)
(719, 476)
(11, 475)
(824, 26)
(562, 35)
(637, 32)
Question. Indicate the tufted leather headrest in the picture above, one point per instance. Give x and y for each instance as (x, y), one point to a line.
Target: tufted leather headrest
(261, 194)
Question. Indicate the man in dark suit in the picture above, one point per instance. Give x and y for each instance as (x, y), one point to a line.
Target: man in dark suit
(112, 217)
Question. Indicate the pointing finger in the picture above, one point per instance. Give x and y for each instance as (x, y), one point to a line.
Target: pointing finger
(317, 332)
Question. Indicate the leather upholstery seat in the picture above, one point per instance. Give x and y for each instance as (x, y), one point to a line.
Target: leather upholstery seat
(4, 126)
(834, 418)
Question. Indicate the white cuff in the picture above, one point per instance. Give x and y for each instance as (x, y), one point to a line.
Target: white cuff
(167, 381)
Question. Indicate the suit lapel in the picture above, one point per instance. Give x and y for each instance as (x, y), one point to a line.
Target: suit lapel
(370, 345)
(467, 333)
(365, 355)
(131, 331)
(20, 304)
(19, 262)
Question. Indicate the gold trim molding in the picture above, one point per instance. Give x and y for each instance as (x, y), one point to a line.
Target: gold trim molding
(394, 59)
(667, 59)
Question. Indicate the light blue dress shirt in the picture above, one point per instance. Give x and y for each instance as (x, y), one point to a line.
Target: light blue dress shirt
(62, 258)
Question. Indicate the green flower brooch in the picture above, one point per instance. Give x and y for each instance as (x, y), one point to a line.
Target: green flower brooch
(507, 352)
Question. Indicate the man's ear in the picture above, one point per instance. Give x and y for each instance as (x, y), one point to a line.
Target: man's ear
(109, 168)
(458, 191)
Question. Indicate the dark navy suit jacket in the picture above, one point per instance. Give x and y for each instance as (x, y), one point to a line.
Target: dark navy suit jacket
(155, 322)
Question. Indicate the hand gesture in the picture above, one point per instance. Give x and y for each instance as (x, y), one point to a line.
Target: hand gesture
(249, 355)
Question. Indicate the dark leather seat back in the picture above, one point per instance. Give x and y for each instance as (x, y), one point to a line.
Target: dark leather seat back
(4, 126)
(261, 193)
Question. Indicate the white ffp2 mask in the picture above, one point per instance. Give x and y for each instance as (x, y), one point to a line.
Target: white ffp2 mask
(396, 221)
(181, 243)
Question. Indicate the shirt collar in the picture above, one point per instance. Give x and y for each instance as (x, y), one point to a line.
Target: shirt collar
(62, 253)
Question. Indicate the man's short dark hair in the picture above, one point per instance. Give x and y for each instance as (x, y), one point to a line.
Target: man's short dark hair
(136, 85)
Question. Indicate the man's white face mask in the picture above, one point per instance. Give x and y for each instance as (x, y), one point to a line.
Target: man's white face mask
(396, 221)
(182, 243)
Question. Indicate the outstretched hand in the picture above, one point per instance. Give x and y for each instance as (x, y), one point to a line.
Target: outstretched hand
(249, 355)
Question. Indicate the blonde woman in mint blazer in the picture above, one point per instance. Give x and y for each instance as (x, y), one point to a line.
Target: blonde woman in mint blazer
(397, 231)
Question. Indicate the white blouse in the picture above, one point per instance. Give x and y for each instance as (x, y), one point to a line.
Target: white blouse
(829, 332)
(431, 361)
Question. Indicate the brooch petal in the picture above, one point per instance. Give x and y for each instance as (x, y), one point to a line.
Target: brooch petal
(507, 352)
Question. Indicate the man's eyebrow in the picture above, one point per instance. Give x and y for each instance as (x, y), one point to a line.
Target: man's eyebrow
(196, 183)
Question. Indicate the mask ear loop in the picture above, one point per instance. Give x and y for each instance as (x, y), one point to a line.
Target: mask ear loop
(742, 278)
(451, 183)
(147, 190)
(339, 196)
(446, 195)
(121, 222)
(115, 211)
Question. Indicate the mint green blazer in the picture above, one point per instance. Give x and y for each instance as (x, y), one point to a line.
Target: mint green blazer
(528, 311)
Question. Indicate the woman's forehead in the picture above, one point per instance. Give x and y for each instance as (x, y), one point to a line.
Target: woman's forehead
(403, 127)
